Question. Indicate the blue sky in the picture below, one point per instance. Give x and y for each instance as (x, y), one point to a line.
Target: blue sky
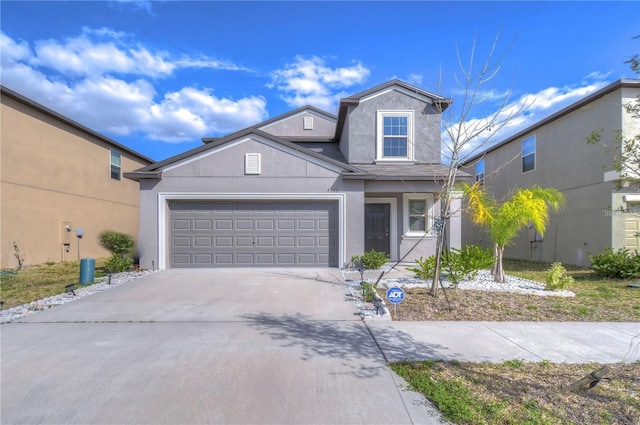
(159, 76)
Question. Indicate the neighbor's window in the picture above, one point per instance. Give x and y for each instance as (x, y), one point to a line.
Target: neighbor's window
(395, 134)
(529, 154)
(116, 165)
(417, 219)
(480, 171)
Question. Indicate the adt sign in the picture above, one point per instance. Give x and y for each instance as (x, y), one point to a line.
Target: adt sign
(395, 295)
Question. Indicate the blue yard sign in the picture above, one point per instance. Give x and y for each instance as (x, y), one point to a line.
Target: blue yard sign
(395, 295)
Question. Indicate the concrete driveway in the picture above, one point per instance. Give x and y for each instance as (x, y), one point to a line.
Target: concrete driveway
(219, 346)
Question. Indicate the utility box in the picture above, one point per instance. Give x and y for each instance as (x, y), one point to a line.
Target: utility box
(87, 270)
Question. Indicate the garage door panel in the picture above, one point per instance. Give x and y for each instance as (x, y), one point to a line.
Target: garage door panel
(273, 233)
(203, 258)
(202, 224)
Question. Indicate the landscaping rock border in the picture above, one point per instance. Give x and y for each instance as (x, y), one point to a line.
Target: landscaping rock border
(102, 284)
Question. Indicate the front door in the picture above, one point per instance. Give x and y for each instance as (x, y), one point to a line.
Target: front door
(376, 228)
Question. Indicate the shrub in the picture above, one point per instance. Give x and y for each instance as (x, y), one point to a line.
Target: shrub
(369, 291)
(118, 243)
(426, 267)
(621, 264)
(371, 260)
(118, 263)
(457, 264)
(557, 277)
(464, 264)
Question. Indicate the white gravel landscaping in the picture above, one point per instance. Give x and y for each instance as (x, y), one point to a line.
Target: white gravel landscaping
(483, 282)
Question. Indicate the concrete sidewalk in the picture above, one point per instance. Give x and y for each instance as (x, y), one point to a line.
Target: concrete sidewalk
(558, 342)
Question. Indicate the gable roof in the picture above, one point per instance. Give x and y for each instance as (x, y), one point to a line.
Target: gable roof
(622, 83)
(282, 117)
(154, 171)
(59, 117)
(442, 102)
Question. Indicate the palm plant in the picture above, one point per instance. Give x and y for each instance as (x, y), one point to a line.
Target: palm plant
(503, 221)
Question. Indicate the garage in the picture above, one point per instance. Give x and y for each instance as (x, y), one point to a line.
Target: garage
(237, 233)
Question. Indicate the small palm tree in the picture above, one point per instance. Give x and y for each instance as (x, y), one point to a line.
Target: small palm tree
(526, 206)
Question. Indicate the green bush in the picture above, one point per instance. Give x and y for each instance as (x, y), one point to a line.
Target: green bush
(457, 264)
(118, 243)
(464, 264)
(118, 263)
(426, 267)
(557, 277)
(621, 264)
(371, 260)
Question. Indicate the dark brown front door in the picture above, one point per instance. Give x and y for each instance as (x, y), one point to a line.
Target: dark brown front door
(376, 227)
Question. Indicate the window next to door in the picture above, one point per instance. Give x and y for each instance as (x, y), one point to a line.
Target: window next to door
(418, 216)
(116, 165)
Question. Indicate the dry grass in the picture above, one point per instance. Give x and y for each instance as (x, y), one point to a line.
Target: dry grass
(526, 393)
(514, 392)
(42, 281)
(596, 300)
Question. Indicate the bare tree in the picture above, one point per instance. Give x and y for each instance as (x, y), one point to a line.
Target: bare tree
(466, 134)
(625, 148)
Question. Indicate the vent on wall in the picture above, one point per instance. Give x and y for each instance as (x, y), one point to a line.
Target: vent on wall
(307, 123)
(252, 163)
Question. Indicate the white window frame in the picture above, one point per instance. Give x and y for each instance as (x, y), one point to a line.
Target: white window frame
(429, 201)
(522, 155)
(112, 164)
(380, 135)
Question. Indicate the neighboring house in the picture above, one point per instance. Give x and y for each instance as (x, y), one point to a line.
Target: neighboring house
(306, 188)
(60, 179)
(554, 153)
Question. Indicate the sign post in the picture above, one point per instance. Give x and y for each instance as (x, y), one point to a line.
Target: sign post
(395, 295)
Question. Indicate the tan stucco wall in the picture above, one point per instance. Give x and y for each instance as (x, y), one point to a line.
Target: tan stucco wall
(51, 174)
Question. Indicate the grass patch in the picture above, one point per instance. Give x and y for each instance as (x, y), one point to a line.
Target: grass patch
(516, 392)
(36, 282)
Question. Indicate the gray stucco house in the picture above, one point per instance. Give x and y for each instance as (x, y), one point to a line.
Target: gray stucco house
(603, 207)
(306, 188)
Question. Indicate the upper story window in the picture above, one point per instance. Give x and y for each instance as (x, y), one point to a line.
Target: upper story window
(529, 154)
(480, 171)
(395, 135)
(116, 165)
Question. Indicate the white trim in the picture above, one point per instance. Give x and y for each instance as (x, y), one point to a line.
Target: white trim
(402, 90)
(380, 115)
(165, 197)
(304, 111)
(393, 218)
(631, 198)
(429, 198)
(264, 141)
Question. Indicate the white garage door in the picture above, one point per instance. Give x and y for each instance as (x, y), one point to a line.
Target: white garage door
(221, 233)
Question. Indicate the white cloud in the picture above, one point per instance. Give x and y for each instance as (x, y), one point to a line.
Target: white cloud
(415, 79)
(102, 51)
(311, 81)
(137, 5)
(110, 86)
(525, 111)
